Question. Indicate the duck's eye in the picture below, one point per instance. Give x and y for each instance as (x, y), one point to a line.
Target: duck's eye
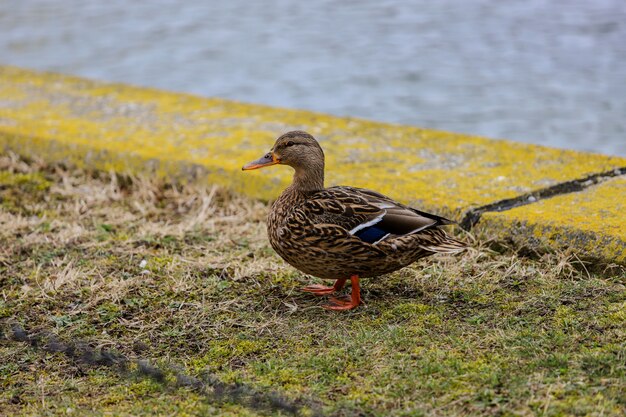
(290, 143)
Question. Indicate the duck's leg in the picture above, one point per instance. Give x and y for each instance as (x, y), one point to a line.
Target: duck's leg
(355, 297)
(316, 289)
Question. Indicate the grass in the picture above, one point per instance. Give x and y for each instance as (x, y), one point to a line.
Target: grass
(126, 295)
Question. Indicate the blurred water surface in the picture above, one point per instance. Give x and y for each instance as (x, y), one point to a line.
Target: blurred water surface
(540, 71)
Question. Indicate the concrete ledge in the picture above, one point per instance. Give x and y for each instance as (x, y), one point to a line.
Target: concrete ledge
(592, 222)
(125, 128)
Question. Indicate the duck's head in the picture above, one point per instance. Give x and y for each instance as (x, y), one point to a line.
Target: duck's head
(297, 149)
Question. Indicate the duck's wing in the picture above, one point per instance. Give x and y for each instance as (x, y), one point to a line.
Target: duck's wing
(366, 214)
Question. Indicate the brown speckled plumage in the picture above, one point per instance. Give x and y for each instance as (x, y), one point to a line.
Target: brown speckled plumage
(335, 232)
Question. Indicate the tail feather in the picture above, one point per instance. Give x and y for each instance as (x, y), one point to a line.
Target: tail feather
(440, 242)
(440, 221)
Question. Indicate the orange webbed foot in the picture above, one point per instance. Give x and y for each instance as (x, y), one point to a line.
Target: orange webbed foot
(338, 304)
(354, 301)
(320, 290)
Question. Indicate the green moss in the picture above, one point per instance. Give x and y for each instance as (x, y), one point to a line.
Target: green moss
(27, 183)
(19, 191)
(480, 334)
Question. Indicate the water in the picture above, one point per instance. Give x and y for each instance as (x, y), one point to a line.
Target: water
(539, 71)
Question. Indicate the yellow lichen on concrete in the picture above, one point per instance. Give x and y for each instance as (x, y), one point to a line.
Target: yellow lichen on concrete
(122, 127)
(126, 129)
(592, 221)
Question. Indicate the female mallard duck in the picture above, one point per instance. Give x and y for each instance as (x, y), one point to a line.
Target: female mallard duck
(343, 232)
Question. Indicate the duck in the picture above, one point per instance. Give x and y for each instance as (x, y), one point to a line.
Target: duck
(342, 232)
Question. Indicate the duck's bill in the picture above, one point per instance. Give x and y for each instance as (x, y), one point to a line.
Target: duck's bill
(264, 161)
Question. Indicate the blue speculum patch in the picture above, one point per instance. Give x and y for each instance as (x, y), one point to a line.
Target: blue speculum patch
(370, 234)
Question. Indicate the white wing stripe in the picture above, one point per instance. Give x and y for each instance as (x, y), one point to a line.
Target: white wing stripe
(381, 239)
(368, 224)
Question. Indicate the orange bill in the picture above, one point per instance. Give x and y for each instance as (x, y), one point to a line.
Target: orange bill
(265, 161)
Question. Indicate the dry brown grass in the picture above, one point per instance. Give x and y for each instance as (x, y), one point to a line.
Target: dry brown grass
(181, 275)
